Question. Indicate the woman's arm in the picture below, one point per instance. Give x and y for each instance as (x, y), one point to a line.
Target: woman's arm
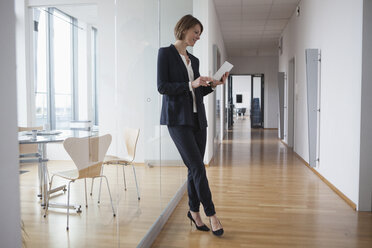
(164, 86)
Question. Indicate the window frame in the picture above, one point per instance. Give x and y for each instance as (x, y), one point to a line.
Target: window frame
(50, 66)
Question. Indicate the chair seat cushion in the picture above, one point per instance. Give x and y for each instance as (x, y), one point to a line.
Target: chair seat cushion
(116, 160)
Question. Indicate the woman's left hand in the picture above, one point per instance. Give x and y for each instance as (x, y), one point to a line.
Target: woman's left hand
(222, 81)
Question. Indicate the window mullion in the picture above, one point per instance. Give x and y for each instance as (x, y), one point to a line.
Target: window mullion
(74, 75)
(50, 68)
(95, 89)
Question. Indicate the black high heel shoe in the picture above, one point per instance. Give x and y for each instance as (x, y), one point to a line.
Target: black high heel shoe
(200, 228)
(218, 232)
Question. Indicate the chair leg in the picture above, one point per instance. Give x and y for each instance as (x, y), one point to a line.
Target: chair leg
(47, 172)
(100, 185)
(68, 203)
(51, 181)
(108, 187)
(125, 183)
(135, 178)
(86, 198)
(91, 188)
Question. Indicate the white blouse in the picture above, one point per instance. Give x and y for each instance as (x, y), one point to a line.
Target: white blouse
(191, 78)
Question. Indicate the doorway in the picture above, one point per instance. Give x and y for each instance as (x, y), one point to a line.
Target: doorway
(245, 97)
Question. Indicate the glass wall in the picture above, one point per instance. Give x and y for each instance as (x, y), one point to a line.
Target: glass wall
(97, 64)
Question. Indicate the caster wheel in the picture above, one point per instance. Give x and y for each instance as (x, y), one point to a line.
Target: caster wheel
(64, 189)
(90, 193)
(114, 215)
(98, 202)
(66, 228)
(139, 198)
(78, 211)
(86, 206)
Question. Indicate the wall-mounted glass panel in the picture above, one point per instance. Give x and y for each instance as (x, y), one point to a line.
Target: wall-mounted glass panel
(281, 87)
(312, 63)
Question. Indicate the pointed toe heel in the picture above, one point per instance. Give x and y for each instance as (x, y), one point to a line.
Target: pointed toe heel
(203, 228)
(218, 232)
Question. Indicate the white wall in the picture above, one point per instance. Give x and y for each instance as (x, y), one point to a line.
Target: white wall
(269, 67)
(242, 85)
(10, 234)
(205, 11)
(323, 25)
(365, 181)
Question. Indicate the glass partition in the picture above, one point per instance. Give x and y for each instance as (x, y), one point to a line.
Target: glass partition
(93, 70)
(173, 171)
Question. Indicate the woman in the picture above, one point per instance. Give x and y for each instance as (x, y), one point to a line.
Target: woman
(183, 112)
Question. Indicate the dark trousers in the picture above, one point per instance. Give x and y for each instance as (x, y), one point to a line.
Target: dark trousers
(190, 142)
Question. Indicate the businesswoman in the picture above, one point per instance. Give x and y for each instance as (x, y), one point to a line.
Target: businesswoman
(183, 112)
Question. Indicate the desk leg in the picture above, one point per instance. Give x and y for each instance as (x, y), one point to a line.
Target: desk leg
(40, 171)
(44, 175)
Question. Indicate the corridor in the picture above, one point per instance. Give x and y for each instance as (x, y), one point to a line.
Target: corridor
(266, 196)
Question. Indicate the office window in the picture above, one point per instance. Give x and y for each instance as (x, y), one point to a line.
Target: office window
(62, 68)
(64, 55)
(54, 67)
(41, 70)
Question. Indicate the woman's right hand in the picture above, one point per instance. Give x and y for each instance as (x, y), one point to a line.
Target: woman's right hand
(201, 81)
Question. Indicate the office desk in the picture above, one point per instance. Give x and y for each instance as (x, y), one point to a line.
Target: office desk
(42, 139)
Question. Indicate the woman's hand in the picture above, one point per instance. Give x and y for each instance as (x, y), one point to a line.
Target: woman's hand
(201, 81)
(222, 81)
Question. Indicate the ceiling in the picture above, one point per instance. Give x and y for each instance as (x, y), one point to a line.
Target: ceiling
(85, 13)
(253, 27)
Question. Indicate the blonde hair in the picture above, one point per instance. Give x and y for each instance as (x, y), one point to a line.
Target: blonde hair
(185, 23)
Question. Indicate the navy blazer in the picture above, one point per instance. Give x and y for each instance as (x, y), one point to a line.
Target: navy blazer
(173, 84)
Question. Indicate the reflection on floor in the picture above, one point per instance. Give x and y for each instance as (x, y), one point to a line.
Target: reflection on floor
(95, 226)
(266, 197)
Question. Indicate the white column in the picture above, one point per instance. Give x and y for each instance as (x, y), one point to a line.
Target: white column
(10, 234)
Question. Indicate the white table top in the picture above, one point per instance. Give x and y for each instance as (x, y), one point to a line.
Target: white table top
(53, 136)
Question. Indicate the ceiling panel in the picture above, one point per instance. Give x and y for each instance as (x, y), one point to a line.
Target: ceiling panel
(256, 2)
(262, 9)
(227, 3)
(253, 22)
(253, 27)
(295, 2)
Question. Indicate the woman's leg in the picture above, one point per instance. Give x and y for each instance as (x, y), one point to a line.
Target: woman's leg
(188, 144)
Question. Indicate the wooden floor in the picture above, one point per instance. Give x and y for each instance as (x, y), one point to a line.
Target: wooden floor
(266, 197)
(96, 226)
